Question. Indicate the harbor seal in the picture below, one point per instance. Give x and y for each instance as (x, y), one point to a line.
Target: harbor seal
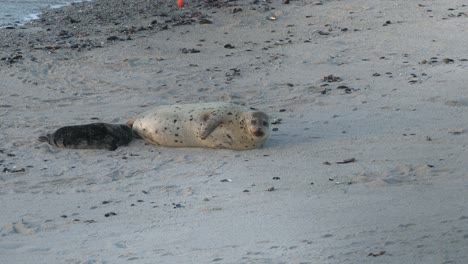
(210, 125)
(90, 136)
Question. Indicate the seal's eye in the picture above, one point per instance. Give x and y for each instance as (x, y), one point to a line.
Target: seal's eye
(253, 122)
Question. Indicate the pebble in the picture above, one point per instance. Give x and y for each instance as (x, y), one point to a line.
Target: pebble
(331, 78)
(13, 170)
(276, 121)
(448, 61)
(178, 205)
(376, 254)
(205, 21)
(229, 46)
(185, 50)
(113, 38)
(346, 161)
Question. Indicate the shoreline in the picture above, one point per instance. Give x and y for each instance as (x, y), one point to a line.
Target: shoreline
(28, 18)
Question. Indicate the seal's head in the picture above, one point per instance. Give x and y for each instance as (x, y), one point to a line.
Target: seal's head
(258, 124)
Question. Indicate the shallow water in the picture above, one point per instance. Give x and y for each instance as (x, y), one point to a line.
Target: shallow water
(16, 12)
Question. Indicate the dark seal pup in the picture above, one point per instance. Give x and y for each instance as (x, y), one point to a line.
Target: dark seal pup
(90, 136)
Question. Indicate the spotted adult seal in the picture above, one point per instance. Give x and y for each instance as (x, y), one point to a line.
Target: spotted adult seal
(90, 136)
(211, 125)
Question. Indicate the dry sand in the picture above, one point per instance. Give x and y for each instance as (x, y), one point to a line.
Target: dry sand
(396, 102)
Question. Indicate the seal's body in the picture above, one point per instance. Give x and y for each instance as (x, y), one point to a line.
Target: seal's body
(211, 125)
(90, 136)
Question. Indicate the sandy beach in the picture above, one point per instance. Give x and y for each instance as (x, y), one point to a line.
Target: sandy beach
(366, 162)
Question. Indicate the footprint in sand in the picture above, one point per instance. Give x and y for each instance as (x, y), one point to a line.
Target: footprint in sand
(22, 227)
(402, 174)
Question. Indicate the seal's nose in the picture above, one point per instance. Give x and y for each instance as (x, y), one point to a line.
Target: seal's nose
(258, 133)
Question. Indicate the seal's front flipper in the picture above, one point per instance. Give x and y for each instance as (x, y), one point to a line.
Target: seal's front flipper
(212, 121)
(111, 146)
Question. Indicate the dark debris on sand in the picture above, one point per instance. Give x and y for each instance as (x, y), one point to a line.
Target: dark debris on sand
(88, 25)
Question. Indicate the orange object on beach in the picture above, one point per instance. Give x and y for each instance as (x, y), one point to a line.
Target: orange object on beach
(180, 3)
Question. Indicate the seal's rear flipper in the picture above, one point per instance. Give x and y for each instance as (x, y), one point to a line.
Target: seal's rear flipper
(134, 132)
(130, 123)
(43, 138)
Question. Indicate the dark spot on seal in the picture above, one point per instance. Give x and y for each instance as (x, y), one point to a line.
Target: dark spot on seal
(229, 136)
(176, 135)
(229, 113)
(175, 120)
